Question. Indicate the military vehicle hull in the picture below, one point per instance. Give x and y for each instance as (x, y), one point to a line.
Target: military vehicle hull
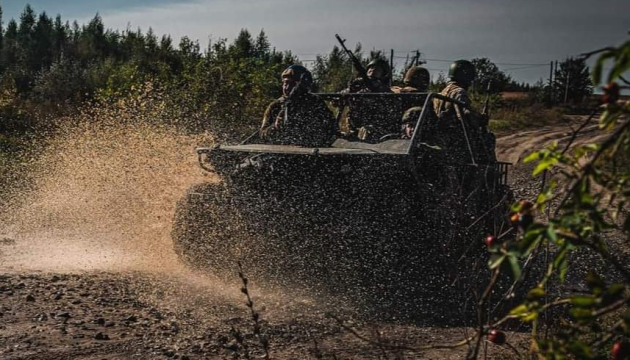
(389, 219)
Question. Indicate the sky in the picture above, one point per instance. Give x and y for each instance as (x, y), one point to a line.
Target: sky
(521, 37)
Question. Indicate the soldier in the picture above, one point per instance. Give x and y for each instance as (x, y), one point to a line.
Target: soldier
(461, 74)
(378, 78)
(416, 80)
(298, 117)
(371, 118)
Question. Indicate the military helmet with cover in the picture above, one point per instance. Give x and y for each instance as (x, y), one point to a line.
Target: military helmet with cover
(298, 73)
(462, 71)
(417, 77)
(383, 64)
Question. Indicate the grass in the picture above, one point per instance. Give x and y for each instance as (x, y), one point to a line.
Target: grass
(504, 121)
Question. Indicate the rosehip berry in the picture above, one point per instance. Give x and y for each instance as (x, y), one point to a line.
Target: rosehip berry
(521, 220)
(496, 337)
(611, 93)
(620, 350)
(491, 240)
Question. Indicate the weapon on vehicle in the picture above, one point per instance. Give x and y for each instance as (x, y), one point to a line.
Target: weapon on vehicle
(356, 62)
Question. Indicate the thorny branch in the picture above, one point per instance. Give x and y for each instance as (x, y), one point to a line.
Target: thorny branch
(587, 168)
(390, 346)
(481, 312)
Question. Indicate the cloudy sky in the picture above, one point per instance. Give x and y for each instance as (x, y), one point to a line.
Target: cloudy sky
(522, 37)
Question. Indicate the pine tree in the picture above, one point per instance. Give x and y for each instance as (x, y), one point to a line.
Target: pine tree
(9, 55)
(41, 52)
(1, 36)
(262, 46)
(59, 38)
(243, 45)
(572, 83)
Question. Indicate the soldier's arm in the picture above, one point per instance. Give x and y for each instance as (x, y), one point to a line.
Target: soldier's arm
(269, 119)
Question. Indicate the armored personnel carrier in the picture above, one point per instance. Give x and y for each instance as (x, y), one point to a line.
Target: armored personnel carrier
(377, 216)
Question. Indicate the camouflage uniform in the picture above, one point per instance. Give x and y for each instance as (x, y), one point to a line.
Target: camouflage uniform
(304, 119)
(454, 91)
(416, 80)
(480, 141)
(371, 118)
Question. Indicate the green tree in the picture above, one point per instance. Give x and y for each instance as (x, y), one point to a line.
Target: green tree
(42, 42)
(332, 72)
(487, 72)
(572, 83)
(1, 38)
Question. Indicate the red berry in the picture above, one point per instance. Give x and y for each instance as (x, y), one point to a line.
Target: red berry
(491, 240)
(611, 93)
(620, 350)
(521, 220)
(496, 337)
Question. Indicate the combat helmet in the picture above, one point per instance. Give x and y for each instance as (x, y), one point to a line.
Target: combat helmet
(417, 77)
(383, 64)
(298, 73)
(462, 71)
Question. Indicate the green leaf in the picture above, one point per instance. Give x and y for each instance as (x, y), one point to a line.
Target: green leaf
(530, 317)
(545, 164)
(551, 235)
(519, 310)
(531, 157)
(581, 313)
(616, 290)
(496, 261)
(516, 267)
(580, 350)
(595, 283)
(584, 301)
(535, 294)
(560, 263)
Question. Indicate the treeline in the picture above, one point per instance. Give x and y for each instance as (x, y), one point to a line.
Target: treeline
(50, 67)
(54, 66)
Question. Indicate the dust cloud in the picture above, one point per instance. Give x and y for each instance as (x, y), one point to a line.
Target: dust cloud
(102, 193)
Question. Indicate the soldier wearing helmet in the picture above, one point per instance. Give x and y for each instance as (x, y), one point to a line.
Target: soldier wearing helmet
(298, 117)
(378, 74)
(461, 75)
(416, 80)
(370, 118)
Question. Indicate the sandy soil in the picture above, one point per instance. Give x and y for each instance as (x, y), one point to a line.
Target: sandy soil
(87, 270)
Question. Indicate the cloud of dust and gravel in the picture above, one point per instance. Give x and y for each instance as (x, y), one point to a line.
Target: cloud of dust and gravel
(102, 193)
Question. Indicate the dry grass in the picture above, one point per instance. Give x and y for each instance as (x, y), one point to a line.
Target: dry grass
(504, 121)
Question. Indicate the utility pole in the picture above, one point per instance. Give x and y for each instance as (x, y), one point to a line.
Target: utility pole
(551, 82)
(391, 67)
(566, 88)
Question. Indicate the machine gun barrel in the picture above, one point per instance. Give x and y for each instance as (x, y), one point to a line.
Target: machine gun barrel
(356, 62)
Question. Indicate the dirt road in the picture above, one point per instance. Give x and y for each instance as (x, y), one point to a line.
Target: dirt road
(88, 271)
